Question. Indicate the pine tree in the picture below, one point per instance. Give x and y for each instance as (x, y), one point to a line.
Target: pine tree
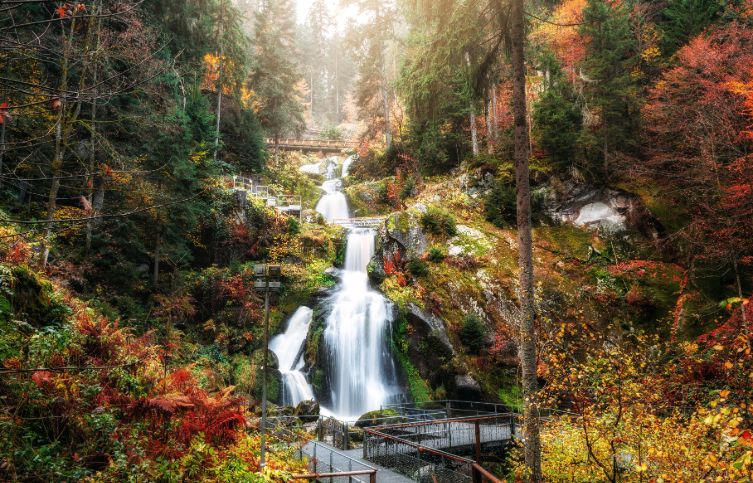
(275, 77)
(611, 88)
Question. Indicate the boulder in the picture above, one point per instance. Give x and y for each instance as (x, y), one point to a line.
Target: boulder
(378, 417)
(307, 411)
(611, 210)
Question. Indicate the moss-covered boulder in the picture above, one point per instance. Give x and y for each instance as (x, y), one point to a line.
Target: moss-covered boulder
(379, 417)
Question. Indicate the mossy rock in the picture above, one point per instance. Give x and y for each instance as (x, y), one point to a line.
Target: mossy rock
(379, 417)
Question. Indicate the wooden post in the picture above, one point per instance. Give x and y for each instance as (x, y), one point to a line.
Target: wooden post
(345, 436)
(477, 478)
(478, 442)
(372, 477)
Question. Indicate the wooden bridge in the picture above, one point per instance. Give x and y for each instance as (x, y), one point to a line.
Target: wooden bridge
(312, 145)
(365, 222)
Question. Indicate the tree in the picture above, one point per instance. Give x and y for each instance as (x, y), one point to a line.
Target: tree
(610, 87)
(557, 118)
(527, 337)
(275, 77)
(684, 19)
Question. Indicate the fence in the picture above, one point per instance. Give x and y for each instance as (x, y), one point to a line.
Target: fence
(346, 435)
(424, 450)
(325, 463)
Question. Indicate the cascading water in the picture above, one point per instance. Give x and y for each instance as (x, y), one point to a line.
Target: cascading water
(333, 205)
(346, 165)
(288, 347)
(361, 369)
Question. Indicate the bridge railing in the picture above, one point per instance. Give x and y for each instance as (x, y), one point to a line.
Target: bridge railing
(424, 450)
(324, 462)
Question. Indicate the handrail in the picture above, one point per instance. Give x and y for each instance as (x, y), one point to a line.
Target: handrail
(468, 419)
(316, 476)
(480, 474)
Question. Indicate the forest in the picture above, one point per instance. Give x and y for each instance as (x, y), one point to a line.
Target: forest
(376, 240)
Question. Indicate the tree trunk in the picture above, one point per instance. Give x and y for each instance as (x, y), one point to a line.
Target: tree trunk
(743, 315)
(472, 115)
(93, 148)
(495, 120)
(489, 140)
(527, 336)
(2, 148)
(219, 96)
(157, 248)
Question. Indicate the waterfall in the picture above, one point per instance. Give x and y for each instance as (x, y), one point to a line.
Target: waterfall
(288, 347)
(359, 363)
(361, 369)
(346, 165)
(333, 205)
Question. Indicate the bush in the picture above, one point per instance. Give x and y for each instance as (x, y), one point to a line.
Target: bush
(408, 187)
(473, 334)
(436, 254)
(499, 207)
(418, 268)
(439, 222)
(294, 226)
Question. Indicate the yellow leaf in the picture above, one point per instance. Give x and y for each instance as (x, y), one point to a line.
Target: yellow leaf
(718, 347)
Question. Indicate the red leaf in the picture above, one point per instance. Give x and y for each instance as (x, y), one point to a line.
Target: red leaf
(41, 378)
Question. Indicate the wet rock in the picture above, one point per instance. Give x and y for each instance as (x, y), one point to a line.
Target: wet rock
(307, 411)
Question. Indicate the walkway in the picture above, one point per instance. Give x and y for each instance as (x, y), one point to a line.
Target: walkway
(312, 145)
(329, 458)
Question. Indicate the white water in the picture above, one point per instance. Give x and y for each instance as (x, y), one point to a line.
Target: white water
(346, 165)
(361, 369)
(333, 204)
(288, 349)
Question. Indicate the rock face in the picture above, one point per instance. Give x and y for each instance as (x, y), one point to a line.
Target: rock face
(609, 209)
(468, 241)
(405, 229)
(400, 239)
(434, 324)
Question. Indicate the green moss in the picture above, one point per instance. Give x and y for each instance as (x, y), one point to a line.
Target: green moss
(511, 396)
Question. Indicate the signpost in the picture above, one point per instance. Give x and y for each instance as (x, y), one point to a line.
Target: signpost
(267, 279)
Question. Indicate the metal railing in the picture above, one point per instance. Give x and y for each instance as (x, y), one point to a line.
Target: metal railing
(325, 463)
(346, 435)
(312, 143)
(424, 450)
(365, 222)
(284, 203)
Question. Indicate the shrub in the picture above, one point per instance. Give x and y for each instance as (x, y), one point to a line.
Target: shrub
(418, 268)
(294, 226)
(473, 334)
(436, 254)
(439, 222)
(408, 187)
